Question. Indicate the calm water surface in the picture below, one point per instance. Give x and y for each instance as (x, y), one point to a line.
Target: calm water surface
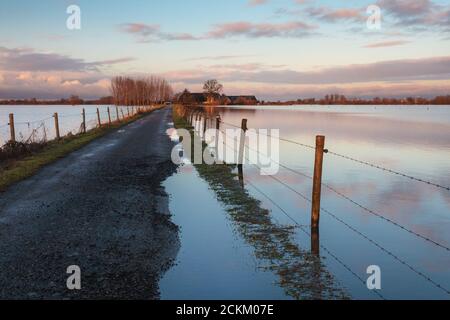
(215, 262)
(38, 120)
(414, 140)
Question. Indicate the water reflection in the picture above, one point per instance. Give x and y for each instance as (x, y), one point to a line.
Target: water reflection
(411, 140)
(301, 273)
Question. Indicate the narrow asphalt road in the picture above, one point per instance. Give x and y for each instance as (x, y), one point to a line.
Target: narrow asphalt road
(101, 208)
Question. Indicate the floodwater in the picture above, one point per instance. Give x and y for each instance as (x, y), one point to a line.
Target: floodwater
(37, 123)
(213, 262)
(378, 218)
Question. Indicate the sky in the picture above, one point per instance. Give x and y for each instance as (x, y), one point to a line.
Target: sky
(274, 49)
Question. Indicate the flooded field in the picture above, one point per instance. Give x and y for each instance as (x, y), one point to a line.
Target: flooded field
(37, 122)
(370, 215)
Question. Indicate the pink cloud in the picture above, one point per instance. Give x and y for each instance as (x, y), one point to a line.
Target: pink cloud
(152, 32)
(252, 30)
(332, 15)
(417, 13)
(387, 44)
(28, 60)
(140, 28)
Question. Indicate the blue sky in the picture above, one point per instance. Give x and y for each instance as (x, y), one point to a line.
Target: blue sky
(274, 49)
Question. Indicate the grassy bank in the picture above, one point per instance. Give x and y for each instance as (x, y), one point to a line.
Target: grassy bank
(300, 273)
(12, 171)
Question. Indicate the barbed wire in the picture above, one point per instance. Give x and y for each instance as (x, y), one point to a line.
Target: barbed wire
(34, 121)
(358, 161)
(69, 115)
(385, 218)
(370, 211)
(421, 274)
(388, 170)
(309, 235)
(365, 237)
(280, 138)
(387, 251)
(274, 203)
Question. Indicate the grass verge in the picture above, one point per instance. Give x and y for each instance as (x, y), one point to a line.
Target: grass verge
(16, 170)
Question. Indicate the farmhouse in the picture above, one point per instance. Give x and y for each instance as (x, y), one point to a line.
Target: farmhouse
(187, 97)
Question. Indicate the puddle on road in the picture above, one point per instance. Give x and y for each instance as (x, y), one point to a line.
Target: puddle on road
(214, 262)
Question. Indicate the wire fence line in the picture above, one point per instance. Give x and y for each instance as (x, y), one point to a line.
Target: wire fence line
(43, 130)
(354, 202)
(335, 217)
(301, 227)
(373, 242)
(365, 237)
(366, 163)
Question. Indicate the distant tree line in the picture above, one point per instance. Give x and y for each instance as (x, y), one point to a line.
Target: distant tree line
(128, 91)
(72, 100)
(336, 99)
(125, 91)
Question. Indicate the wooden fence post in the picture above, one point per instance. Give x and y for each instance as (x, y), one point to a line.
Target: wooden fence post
(315, 241)
(109, 116)
(117, 114)
(57, 125)
(84, 120)
(204, 128)
(98, 118)
(242, 142)
(217, 137)
(12, 130)
(241, 152)
(317, 182)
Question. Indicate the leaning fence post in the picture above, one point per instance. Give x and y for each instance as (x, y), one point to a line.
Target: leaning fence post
(117, 113)
(84, 120)
(109, 117)
(12, 130)
(98, 118)
(57, 125)
(317, 182)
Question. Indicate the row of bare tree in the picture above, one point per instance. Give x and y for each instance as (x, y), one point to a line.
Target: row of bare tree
(128, 91)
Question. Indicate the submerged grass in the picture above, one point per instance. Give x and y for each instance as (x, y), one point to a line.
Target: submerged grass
(12, 171)
(301, 274)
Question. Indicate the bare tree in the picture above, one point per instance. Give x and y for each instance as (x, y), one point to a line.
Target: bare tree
(140, 92)
(212, 87)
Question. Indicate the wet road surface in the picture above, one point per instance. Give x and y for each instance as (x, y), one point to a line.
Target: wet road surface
(101, 208)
